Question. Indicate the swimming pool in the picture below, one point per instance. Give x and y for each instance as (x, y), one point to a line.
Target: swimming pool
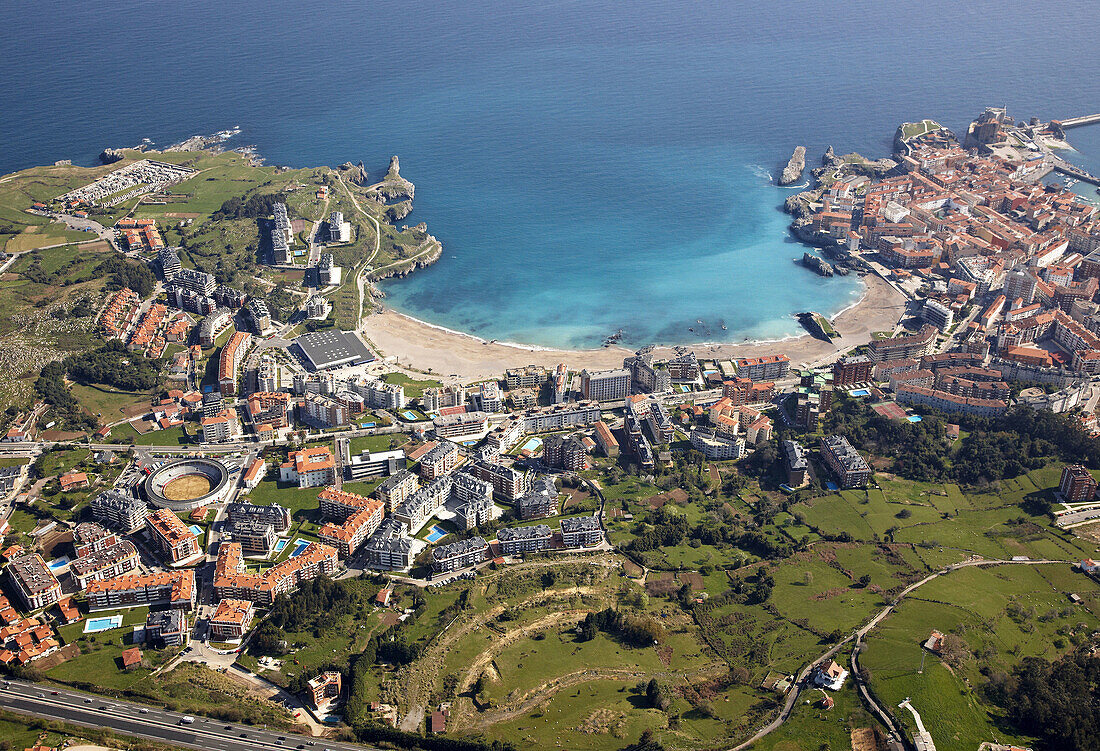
(58, 563)
(832, 486)
(859, 392)
(532, 444)
(913, 418)
(410, 415)
(103, 623)
(279, 545)
(196, 530)
(299, 546)
(437, 533)
(367, 424)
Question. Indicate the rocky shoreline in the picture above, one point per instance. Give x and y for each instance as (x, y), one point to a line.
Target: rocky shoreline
(801, 205)
(795, 165)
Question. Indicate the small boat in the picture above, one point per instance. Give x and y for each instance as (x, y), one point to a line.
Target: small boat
(723, 327)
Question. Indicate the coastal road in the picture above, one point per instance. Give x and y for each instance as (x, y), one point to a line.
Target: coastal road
(377, 243)
(857, 636)
(150, 722)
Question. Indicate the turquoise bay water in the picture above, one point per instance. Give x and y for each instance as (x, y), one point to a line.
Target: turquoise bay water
(588, 165)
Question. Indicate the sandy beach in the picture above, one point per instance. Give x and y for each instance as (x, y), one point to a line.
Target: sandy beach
(426, 348)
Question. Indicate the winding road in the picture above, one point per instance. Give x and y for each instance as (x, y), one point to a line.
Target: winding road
(857, 637)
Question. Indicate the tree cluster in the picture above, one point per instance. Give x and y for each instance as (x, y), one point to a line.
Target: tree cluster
(123, 272)
(1057, 702)
(113, 365)
(255, 206)
(638, 631)
(50, 387)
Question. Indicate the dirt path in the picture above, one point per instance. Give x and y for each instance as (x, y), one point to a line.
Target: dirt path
(422, 676)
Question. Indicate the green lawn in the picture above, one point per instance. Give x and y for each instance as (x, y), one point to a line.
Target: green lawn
(110, 404)
(999, 615)
(414, 388)
(176, 436)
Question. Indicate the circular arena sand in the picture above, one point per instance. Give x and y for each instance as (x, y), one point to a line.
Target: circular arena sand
(187, 487)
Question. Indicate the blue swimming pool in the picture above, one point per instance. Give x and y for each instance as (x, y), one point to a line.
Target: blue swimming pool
(532, 444)
(196, 530)
(103, 623)
(279, 545)
(832, 486)
(58, 563)
(859, 392)
(913, 418)
(437, 533)
(409, 415)
(367, 424)
(299, 546)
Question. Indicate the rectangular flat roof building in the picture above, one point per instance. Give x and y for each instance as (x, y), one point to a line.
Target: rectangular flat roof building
(333, 349)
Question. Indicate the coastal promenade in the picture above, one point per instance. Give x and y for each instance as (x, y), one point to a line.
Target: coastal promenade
(423, 347)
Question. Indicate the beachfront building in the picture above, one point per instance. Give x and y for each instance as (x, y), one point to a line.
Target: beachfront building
(767, 368)
(605, 385)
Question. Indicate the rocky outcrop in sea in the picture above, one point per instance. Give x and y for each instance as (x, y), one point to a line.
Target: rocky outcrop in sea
(793, 171)
(110, 156)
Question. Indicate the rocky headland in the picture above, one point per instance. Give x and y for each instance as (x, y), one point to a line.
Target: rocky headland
(793, 171)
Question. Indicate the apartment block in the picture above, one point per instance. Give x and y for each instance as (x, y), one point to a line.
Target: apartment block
(33, 581)
(119, 510)
(106, 563)
(581, 532)
(517, 540)
(851, 469)
(605, 385)
(458, 555)
(309, 468)
(171, 537)
(175, 589)
(231, 619)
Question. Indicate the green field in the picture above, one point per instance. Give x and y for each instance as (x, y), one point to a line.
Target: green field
(414, 388)
(998, 616)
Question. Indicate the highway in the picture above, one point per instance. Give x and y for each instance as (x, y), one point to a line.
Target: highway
(152, 723)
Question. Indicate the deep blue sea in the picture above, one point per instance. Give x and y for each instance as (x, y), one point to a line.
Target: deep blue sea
(589, 166)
